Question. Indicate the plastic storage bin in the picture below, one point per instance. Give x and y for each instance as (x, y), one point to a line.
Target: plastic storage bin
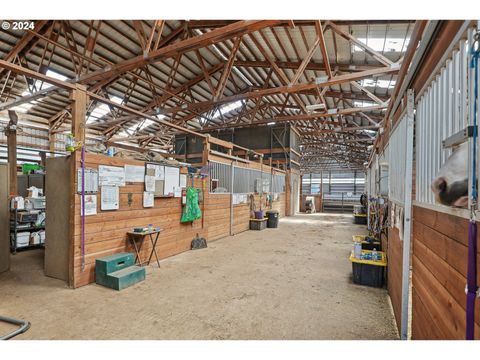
(273, 217)
(368, 272)
(258, 224)
(360, 219)
(367, 243)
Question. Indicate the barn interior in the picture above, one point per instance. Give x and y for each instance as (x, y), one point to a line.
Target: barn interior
(246, 179)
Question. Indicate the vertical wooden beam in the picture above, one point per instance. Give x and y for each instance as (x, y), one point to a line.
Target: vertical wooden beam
(51, 141)
(79, 109)
(206, 151)
(12, 160)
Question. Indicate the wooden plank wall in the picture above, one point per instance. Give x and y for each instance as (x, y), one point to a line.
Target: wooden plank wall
(439, 268)
(394, 250)
(105, 233)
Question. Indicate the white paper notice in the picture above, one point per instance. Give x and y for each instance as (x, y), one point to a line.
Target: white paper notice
(134, 173)
(148, 199)
(90, 180)
(110, 198)
(183, 180)
(149, 183)
(172, 179)
(90, 205)
(111, 175)
(177, 192)
(159, 171)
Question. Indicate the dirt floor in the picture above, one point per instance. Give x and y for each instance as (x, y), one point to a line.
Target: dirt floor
(293, 282)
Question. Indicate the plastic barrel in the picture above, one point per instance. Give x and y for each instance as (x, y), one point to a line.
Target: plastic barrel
(273, 217)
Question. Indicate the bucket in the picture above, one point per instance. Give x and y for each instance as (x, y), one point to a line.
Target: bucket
(259, 214)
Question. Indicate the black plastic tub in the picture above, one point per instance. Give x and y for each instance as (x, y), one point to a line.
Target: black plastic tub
(360, 219)
(258, 224)
(367, 272)
(273, 217)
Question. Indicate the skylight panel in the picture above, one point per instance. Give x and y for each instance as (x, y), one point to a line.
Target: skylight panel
(385, 84)
(55, 75)
(102, 110)
(116, 99)
(362, 103)
(227, 108)
(40, 85)
(382, 44)
(139, 126)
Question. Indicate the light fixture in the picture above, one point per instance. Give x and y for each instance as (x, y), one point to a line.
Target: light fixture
(315, 107)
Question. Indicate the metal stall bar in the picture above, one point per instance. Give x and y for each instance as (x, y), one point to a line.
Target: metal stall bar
(408, 214)
(232, 173)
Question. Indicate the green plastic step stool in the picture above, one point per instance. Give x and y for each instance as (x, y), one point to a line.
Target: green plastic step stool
(118, 271)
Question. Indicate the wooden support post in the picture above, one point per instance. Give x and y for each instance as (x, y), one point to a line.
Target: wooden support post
(206, 151)
(301, 186)
(79, 109)
(12, 160)
(51, 141)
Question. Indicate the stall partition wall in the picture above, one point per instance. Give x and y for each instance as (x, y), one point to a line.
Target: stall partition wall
(395, 156)
(221, 205)
(106, 232)
(4, 220)
(58, 191)
(440, 233)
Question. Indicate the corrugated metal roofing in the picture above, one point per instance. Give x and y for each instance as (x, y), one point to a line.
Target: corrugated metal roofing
(118, 41)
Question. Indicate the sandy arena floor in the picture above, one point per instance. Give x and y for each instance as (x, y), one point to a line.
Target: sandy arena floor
(293, 282)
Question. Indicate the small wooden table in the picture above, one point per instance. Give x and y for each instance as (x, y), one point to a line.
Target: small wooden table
(134, 236)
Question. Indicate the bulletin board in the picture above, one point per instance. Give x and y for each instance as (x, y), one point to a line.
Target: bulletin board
(162, 180)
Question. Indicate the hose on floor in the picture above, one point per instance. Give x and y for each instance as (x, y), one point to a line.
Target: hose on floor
(23, 326)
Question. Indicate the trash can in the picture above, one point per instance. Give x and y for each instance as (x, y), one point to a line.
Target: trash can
(273, 217)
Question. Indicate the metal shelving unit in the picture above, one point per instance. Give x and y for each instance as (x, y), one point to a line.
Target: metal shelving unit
(16, 227)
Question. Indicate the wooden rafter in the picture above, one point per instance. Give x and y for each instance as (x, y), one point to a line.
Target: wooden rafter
(305, 62)
(375, 54)
(290, 88)
(323, 48)
(221, 34)
(228, 68)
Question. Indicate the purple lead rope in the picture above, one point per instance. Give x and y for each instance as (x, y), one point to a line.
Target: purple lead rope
(471, 279)
(472, 227)
(83, 208)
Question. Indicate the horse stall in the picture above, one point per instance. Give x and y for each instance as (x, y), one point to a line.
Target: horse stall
(427, 232)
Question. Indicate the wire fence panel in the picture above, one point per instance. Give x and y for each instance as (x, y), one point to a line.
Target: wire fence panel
(241, 180)
(220, 177)
(245, 180)
(278, 183)
(331, 182)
